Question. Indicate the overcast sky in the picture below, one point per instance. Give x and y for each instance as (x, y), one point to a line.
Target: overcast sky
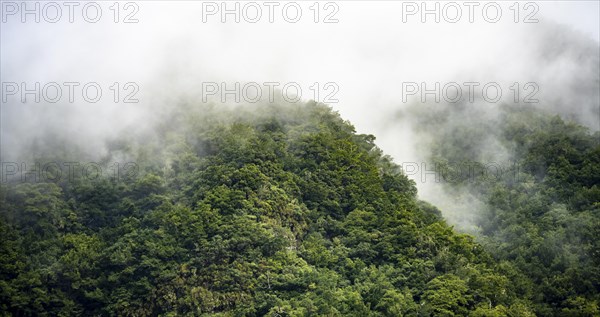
(360, 63)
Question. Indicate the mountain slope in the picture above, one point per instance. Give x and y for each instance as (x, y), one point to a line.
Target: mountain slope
(540, 207)
(278, 210)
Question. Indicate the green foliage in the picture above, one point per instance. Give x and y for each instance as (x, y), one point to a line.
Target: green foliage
(542, 212)
(283, 210)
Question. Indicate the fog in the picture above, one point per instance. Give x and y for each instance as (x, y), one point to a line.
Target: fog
(365, 54)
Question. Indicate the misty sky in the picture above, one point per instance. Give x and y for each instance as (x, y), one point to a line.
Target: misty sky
(365, 55)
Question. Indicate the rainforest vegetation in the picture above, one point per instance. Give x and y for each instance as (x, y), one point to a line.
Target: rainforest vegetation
(284, 210)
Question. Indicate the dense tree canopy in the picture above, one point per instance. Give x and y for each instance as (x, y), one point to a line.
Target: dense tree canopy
(542, 210)
(283, 210)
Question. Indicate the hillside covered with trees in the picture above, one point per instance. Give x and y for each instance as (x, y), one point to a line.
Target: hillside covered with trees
(541, 210)
(284, 210)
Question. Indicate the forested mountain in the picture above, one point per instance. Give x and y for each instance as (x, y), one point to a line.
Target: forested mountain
(541, 207)
(283, 210)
